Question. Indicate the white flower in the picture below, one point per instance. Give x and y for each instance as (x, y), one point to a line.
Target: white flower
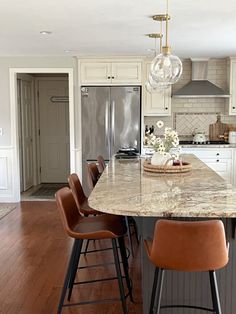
(160, 124)
(166, 143)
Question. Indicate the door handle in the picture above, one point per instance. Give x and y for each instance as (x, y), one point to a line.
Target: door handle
(106, 125)
(113, 122)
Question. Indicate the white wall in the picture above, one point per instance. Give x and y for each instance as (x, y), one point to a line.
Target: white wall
(23, 62)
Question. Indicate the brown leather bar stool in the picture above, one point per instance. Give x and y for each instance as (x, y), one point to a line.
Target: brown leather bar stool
(101, 164)
(99, 227)
(187, 246)
(81, 200)
(93, 176)
(79, 196)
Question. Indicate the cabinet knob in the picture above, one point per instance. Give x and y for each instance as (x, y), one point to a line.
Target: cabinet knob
(113, 77)
(217, 160)
(233, 107)
(108, 77)
(217, 154)
(166, 108)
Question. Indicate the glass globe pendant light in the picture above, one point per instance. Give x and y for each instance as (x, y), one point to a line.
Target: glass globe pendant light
(150, 84)
(166, 68)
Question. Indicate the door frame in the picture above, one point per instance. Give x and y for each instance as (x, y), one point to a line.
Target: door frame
(14, 118)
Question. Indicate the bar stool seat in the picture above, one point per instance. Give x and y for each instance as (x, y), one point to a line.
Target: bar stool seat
(80, 228)
(100, 227)
(190, 247)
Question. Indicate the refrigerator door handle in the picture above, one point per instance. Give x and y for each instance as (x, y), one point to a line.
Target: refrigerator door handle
(107, 142)
(113, 123)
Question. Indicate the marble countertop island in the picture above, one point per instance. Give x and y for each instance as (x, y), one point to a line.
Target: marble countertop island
(126, 189)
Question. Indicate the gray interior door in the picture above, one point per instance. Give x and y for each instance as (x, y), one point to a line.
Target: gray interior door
(125, 118)
(95, 122)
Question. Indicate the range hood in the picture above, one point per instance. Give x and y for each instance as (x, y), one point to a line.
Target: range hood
(199, 86)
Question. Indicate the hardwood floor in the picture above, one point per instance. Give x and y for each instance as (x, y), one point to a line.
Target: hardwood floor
(34, 252)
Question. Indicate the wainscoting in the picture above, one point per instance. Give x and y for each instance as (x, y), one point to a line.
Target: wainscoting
(7, 174)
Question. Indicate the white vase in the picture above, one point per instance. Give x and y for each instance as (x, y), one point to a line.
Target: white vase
(160, 160)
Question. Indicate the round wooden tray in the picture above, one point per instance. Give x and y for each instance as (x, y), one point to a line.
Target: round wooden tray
(179, 167)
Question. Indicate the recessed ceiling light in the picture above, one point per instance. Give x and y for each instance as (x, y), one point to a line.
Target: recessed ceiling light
(150, 50)
(45, 32)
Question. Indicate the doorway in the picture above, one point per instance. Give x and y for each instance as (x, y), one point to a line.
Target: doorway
(43, 106)
(45, 112)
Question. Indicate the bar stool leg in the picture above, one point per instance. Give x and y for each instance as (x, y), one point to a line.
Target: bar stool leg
(119, 275)
(154, 289)
(67, 277)
(214, 292)
(159, 290)
(86, 247)
(125, 266)
(74, 268)
(129, 235)
(136, 232)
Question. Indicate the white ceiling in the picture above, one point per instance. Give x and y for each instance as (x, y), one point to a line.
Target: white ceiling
(198, 28)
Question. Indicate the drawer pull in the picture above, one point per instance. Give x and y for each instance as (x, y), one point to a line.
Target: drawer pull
(108, 77)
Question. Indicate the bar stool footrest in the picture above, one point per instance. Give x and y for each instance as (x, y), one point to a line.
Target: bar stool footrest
(187, 306)
(96, 280)
(103, 301)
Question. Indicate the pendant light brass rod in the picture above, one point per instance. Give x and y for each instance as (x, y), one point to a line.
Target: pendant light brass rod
(155, 46)
(161, 38)
(167, 23)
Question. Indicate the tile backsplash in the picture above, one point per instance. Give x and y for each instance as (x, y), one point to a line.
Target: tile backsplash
(188, 123)
(190, 113)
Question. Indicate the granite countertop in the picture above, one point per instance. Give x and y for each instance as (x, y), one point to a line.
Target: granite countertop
(126, 189)
(207, 146)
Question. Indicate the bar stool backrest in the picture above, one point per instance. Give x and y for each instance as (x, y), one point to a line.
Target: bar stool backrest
(93, 175)
(101, 163)
(189, 246)
(70, 216)
(77, 189)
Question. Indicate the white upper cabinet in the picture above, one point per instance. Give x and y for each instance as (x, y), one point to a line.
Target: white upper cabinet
(157, 103)
(232, 86)
(110, 73)
(95, 72)
(127, 72)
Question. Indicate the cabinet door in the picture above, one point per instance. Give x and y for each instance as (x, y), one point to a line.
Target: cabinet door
(158, 102)
(219, 160)
(95, 73)
(126, 73)
(232, 99)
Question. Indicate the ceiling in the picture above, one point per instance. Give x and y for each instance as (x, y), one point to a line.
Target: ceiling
(203, 28)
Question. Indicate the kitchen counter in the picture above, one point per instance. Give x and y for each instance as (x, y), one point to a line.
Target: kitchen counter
(126, 189)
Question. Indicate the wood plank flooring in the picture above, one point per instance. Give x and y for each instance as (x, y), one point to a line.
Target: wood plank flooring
(34, 252)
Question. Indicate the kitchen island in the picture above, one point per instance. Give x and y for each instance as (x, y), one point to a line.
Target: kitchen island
(125, 189)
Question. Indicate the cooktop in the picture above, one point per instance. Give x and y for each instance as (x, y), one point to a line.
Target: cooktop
(203, 143)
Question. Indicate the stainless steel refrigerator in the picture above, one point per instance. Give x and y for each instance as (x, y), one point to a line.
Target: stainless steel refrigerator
(110, 120)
